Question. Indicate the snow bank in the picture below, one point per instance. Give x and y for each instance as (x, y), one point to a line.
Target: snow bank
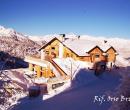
(69, 65)
(14, 86)
(78, 70)
(40, 80)
(57, 91)
(120, 61)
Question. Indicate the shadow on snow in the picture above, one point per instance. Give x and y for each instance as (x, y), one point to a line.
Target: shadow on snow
(80, 96)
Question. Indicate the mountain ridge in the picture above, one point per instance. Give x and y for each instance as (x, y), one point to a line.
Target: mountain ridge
(16, 44)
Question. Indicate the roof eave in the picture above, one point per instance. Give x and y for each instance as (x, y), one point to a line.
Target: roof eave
(49, 43)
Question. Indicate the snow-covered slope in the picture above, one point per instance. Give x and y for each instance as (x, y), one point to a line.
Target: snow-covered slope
(122, 62)
(16, 44)
(48, 37)
(81, 94)
(11, 33)
(84, 87)
(13, 85)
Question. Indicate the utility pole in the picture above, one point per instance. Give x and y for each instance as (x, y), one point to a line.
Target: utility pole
(71, 70)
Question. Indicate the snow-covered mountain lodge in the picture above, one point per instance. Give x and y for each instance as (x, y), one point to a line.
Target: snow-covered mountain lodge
(64, 47)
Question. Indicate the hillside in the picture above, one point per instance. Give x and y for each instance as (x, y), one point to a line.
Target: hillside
(84, 86)
(16, 44)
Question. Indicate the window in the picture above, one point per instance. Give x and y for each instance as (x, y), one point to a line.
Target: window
(47, 52)
(53, 48)
(97, 56)
(67, 55)
(53, 55)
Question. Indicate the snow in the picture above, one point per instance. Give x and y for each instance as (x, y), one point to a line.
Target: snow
(72, 40)
(79, 92)
(15, 84)
(4, 31)
(40, 80)
(71, 66)
(80, 95)
(68, 65)
(57, 91)
(49, 37)
(81, 46)
(120, 61)
(11, 33)
(46, 38)
(18, 77)
(120, 44)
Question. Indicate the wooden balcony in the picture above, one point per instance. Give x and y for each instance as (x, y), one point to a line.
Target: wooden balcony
(37, 61)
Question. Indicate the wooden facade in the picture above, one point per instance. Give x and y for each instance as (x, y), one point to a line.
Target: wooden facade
(52, 50)
(95, 54)
(41, 71)
(111, 54)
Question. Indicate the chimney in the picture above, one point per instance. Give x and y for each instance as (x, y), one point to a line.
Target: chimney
(105, 41)
(62, 37)
(79, 37)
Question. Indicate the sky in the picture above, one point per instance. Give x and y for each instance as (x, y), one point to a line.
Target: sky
(110, 18)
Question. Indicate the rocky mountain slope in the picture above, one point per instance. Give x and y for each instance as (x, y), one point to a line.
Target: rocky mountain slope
(16, 44)
(14, 47)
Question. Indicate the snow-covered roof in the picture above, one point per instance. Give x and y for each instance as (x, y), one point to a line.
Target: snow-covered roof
(82, 46)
